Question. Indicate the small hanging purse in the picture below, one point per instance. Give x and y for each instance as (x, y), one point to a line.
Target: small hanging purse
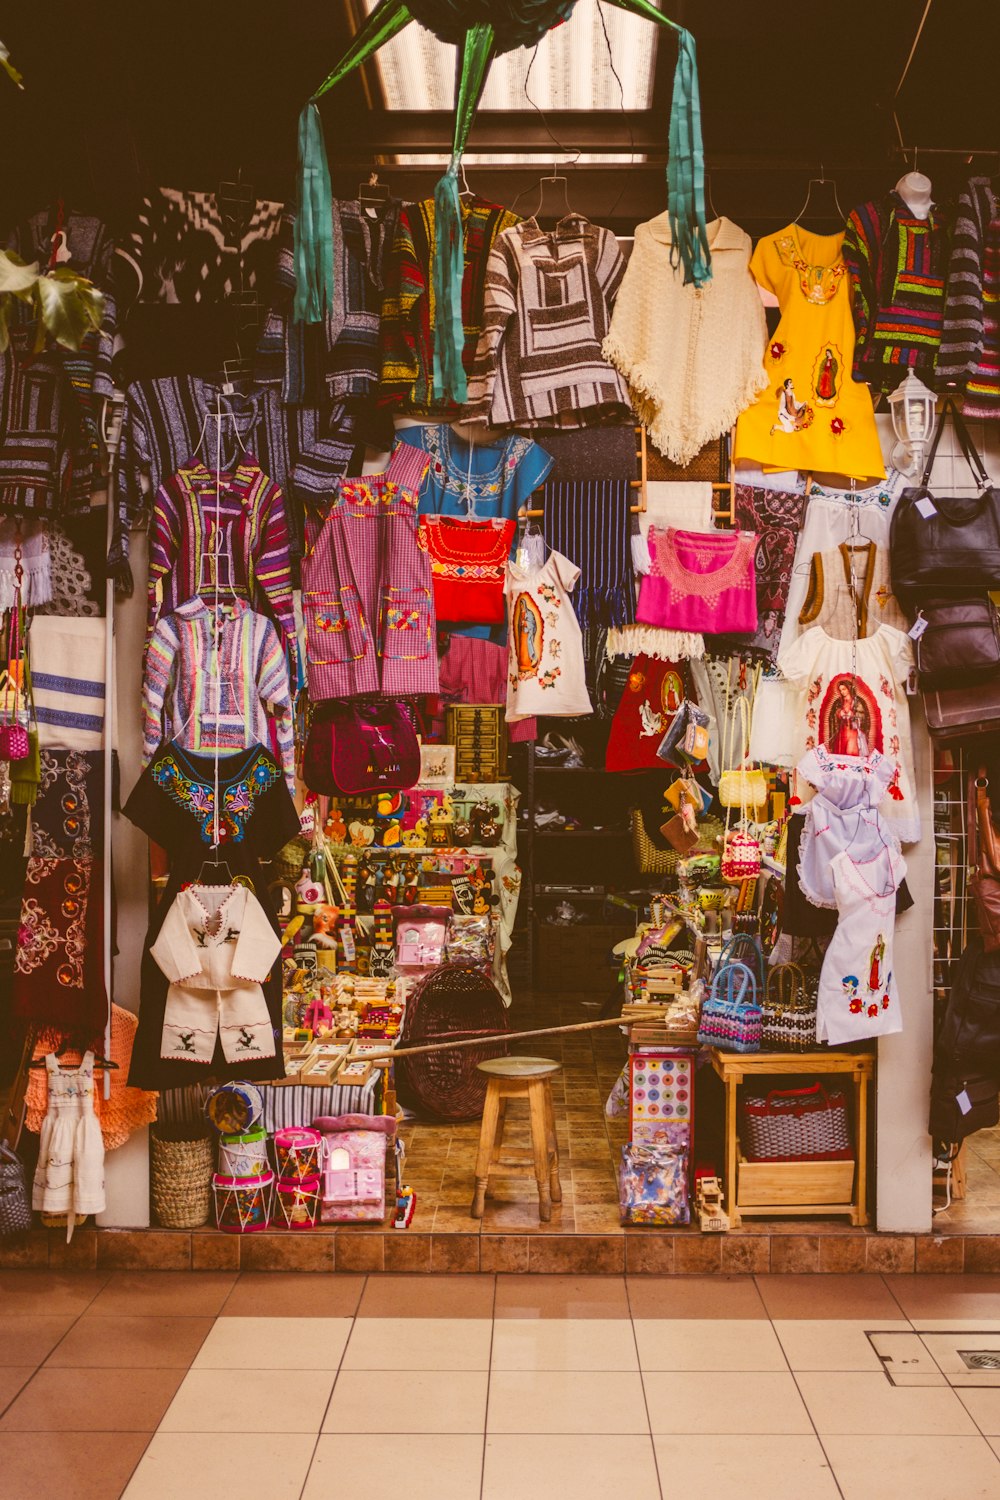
(14, 742)
(731, 1018)
(15, 1210)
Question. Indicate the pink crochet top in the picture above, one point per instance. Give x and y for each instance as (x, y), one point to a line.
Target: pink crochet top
(701, 581)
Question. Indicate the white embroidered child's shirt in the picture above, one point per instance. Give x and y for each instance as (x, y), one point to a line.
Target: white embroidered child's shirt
(858, 996)
(545, 670)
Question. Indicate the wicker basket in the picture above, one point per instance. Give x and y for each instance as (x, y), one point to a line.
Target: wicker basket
(181, 1176)
(455, 1002)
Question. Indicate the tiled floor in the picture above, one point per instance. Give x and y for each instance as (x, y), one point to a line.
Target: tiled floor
(979, 1211)
(306, 1387)
(441, 1158)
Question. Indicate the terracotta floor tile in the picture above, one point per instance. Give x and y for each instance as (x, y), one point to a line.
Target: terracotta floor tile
(434, 1467)
(254, 1466)
(281, 1401)
(49, 1293)
(833, 1296)
(28, 1338)
(107, 1400)
(141, 1342)
(914, 1468)
(427, 1296)
(13, 1378)
(191, 1294)
(746, 1467)
(81, 1465)
(555, 1468)
(865, 1404)
(561, 1297)
(694, 1297)
(276, 1294)
(579, 1401)
(974, 1301)
(422, 1401)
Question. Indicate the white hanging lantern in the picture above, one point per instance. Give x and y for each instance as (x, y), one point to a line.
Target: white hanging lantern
(912, 406)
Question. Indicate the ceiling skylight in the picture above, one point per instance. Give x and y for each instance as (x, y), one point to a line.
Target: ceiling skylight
(571, 70)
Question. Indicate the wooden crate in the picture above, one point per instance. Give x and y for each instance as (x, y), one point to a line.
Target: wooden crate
(774, 1184)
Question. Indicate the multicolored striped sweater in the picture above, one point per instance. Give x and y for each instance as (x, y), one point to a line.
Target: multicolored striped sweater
(406, 338)
(208, 687)
(969, 358)
(897, 266)
(237, 525)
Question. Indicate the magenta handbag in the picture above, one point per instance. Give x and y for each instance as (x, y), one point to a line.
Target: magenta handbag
(356, 747)
(14, 742)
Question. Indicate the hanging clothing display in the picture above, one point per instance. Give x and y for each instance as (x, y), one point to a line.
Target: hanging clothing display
(653, 694)
(215, 946)
(687, 506)
(366, 588)
(174, 803)
(474, 671)
(858, 993)
(699, 581)
(69, 1177)
(693, 357)
(813, 414)
(68, 664)
(166, 425)
(182, 247)
(337, 360)
(546, 673)
(843, 815)
(969, 356)
(897, 264)
(851, 699)
(217, 681)
(125, 1110)
(409, 315)
(468, 563)
(72, 574)
(590, 521)
(58, 963)
(221, 531)
(549, 296)
(24, 543)
(850, 591)
(799, 917)
(593, 452)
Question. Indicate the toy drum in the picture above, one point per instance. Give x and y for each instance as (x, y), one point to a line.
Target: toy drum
(242, 1204)
(244, 1155)
(296, 1151)
(296, 1203)
(235, 1108)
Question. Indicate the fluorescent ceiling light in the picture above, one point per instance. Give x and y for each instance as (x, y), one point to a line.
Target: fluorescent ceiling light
(572, 69)
(542, 163)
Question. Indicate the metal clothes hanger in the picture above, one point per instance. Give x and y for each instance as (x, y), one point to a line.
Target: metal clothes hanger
(373, 192)
(821, 181)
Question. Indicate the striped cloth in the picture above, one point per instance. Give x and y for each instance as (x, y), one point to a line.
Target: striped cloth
(252, 546)
(190, 661)
(289, 1104)
(589, 521)
(548, 309)
(896, 264)
(406, 337)
(962, 337)
(67, 659)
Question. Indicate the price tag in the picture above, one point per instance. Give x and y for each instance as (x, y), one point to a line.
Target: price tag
(963, 1101)
(912, 683)
(926, 507)
(918, 627)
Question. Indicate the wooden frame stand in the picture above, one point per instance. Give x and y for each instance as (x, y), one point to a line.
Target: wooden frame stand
(774, 1189)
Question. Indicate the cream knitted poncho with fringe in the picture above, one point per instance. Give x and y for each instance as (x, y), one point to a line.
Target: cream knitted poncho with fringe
(693, 359)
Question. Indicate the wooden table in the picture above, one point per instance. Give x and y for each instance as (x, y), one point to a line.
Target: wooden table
(733, 1068)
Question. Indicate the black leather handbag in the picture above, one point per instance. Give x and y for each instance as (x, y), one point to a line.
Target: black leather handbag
(946, 545)
(960, 643)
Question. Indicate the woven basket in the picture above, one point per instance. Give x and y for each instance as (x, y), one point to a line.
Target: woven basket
(455, 1002)
(650, 859)
(181, 1176)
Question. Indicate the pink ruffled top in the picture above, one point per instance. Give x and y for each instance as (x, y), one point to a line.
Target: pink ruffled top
(701, 581)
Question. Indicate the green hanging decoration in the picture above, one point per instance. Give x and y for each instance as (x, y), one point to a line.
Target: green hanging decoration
(482, 30)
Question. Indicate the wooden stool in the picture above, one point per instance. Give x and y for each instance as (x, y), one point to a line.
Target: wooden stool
(519, 1078)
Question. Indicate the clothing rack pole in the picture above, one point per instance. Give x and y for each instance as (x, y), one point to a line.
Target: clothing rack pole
(112, 427)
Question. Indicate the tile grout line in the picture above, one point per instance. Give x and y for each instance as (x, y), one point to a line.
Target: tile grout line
(642, 1383)
(805, 1403)
(65, 1334)
(340, 1365)
(489, 1382)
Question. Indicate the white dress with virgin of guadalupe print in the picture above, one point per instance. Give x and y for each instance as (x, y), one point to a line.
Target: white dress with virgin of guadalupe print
(858, 997)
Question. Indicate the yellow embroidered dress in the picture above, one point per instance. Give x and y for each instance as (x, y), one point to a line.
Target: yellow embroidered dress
(812, 415)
